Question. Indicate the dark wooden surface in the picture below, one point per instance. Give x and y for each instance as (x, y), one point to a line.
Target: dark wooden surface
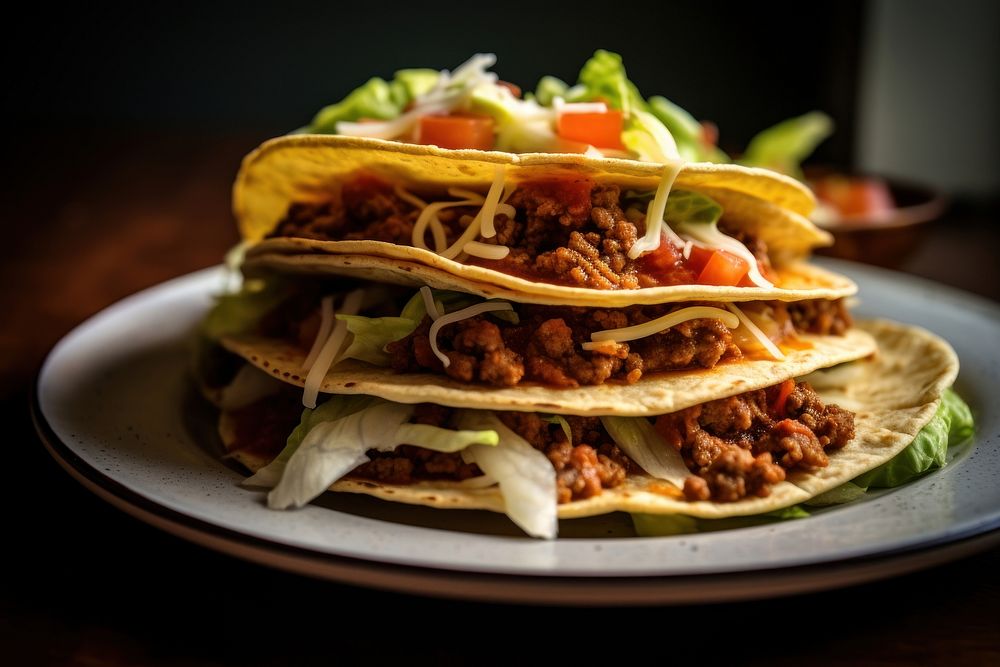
(90, 218)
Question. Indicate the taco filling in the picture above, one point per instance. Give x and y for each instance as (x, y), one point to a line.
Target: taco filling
(563, 231)
(731, 448)
(503, 344)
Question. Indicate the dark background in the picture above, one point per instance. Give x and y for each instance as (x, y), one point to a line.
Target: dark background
(230, 66)
(124, 129)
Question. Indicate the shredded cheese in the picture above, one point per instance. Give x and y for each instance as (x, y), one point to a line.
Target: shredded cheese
(429, 305)
(327, 355)
(768, 344)
(654, 214)
(660, 324)
(474, 230)
(489, 209)
(561, 106)
(485, 250)
(409, 197)
(458, 316)
(467, 194)
(429, 217)
(325, 324)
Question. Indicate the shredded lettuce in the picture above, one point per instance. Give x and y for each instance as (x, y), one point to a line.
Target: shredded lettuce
(784, 146)
(563, 424)
(661, 525)
(372, 334)
(335, 438)
(683, 207)
(549, 88)
(640, 441)
(233, 314)
(377, 99)
(526, 477)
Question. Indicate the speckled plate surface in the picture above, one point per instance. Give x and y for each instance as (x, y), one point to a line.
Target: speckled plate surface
(116, 408)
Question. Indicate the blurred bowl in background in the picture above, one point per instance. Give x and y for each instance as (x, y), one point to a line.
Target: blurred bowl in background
(873, 219)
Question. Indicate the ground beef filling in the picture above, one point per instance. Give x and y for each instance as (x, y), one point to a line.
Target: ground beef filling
(565, 231)
(545, 347)
(735, 447)
(583, 469)
(742, 445)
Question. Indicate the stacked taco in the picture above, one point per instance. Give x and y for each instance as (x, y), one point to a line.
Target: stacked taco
(549, 336)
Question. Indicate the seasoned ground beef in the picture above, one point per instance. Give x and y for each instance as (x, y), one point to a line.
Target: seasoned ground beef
(735, 447)
(592, 462)
(583, 469)
(740, 446)
(564, 231)
(545, 347)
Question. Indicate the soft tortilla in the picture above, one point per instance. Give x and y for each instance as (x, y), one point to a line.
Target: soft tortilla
(894, 396)
(652, 395)
(304, 168)
(396, 266)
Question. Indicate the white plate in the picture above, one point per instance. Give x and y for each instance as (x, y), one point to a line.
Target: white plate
(117, 409)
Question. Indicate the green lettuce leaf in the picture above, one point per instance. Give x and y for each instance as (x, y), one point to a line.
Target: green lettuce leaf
(548, 88)
(372, 334)
(233, 314)
(784, 146)
(526, 477)
(640, 441)
(686, 130)
(333, 439)
(377, 99)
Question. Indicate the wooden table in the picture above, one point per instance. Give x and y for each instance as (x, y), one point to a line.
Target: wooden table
(93, 217)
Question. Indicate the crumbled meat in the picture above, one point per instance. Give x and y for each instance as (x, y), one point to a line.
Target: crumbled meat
(583, 469)
(545, 347)
(591, 463)
(820, 316)
(740, 446)
(565, 231)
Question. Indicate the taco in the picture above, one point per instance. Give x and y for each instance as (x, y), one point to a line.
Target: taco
(723, 452)
(558, 229)
(460, 350)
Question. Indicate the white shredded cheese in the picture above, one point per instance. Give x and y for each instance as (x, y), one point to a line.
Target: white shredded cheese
(409, 197)
(561, 106)
(325, 324)
(660, 324)
(687, 249)
(429, 217)
(429, 305)
(489, 209)
(458, 316)
(485, 250)
(757, 333)
(654, 214)
(467, 194)
(327, 355)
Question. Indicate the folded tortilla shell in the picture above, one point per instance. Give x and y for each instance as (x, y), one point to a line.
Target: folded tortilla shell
(894, 395)
(651, 395)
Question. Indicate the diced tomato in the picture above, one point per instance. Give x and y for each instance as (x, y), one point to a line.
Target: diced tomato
(855, 197)
(514, 89)
(603, 130)
(723, 268)
(709, 133)
(784, 391)
(666, 265)
(457, 131)
(698, 258)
